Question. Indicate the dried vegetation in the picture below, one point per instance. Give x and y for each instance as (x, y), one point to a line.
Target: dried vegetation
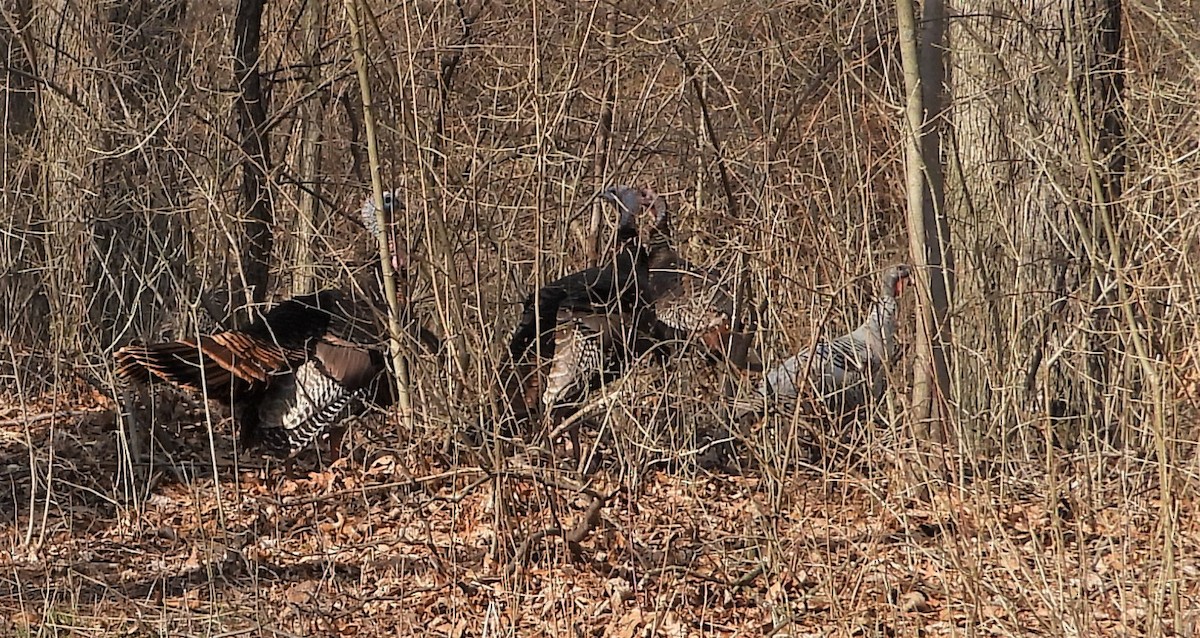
(774, 130)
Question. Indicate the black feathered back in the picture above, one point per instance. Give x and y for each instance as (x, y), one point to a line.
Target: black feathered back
(613, 289)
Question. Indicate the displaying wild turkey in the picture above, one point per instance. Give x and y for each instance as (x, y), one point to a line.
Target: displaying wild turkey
(689, 302)
(847, 371)
(579, 331)
(286, 376)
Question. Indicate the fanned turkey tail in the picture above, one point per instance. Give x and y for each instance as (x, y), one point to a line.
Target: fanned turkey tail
(209, 365)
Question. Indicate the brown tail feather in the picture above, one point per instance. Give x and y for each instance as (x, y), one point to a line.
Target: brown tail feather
(211, 367)
(177, 362)
(244, 356)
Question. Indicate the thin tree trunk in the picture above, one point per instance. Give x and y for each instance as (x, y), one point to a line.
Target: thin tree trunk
(312, 117)
(251, 108)
(603, 131)
(922, 81)
(928, 232)
(384, 221)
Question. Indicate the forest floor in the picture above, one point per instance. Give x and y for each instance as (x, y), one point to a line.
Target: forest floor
(388, 543)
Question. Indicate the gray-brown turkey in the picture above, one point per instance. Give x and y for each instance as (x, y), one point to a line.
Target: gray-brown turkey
(845, 372)
(578, 332)
(691, 303)
(286, 376)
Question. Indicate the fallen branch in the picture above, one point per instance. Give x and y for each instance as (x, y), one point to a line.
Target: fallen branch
(737, 583)
(582, 413)
(565, 484)
(573, 537)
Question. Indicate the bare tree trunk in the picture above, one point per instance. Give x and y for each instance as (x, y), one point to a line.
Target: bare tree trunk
(140, 229)
(312, 115)
(21, 286)
(1038, 133)
(603, 130)
(928, 236)
(69, 120)
(1018, 151)
(111, 72)
(111, 69)
(939, 254)
(250, 104)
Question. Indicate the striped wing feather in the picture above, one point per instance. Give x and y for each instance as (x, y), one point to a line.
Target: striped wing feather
(691, 306)
(297, 409)
(581, 348)
(835, 369)
(690, 301)
(324, 390)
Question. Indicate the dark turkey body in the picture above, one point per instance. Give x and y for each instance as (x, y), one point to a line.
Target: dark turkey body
(286, 377)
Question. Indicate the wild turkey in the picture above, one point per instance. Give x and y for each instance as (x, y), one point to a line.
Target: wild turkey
(287, 378)
(689, 302)
(371, 222)
(848, 370)
(580, 329)
(371, 283)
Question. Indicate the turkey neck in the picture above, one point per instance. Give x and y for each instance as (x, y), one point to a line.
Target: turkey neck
(632, 260)
(880, 322)
(661, 253)
(632, 270)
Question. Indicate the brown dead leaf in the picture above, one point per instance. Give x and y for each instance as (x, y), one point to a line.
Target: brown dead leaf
(671, 625)
(817, 603)
(287, 487)
(25, 620)
(384, 465)
(346, 627)
(914, 601)
(321, 481)
(330, 527)
(619, 592)
(301, 592)
(626, 626)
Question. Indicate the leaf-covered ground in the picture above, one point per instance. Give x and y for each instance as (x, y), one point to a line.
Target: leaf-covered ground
(394, 542)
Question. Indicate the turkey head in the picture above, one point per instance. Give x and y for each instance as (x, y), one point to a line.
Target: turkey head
(370, 220)
(895, 279)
